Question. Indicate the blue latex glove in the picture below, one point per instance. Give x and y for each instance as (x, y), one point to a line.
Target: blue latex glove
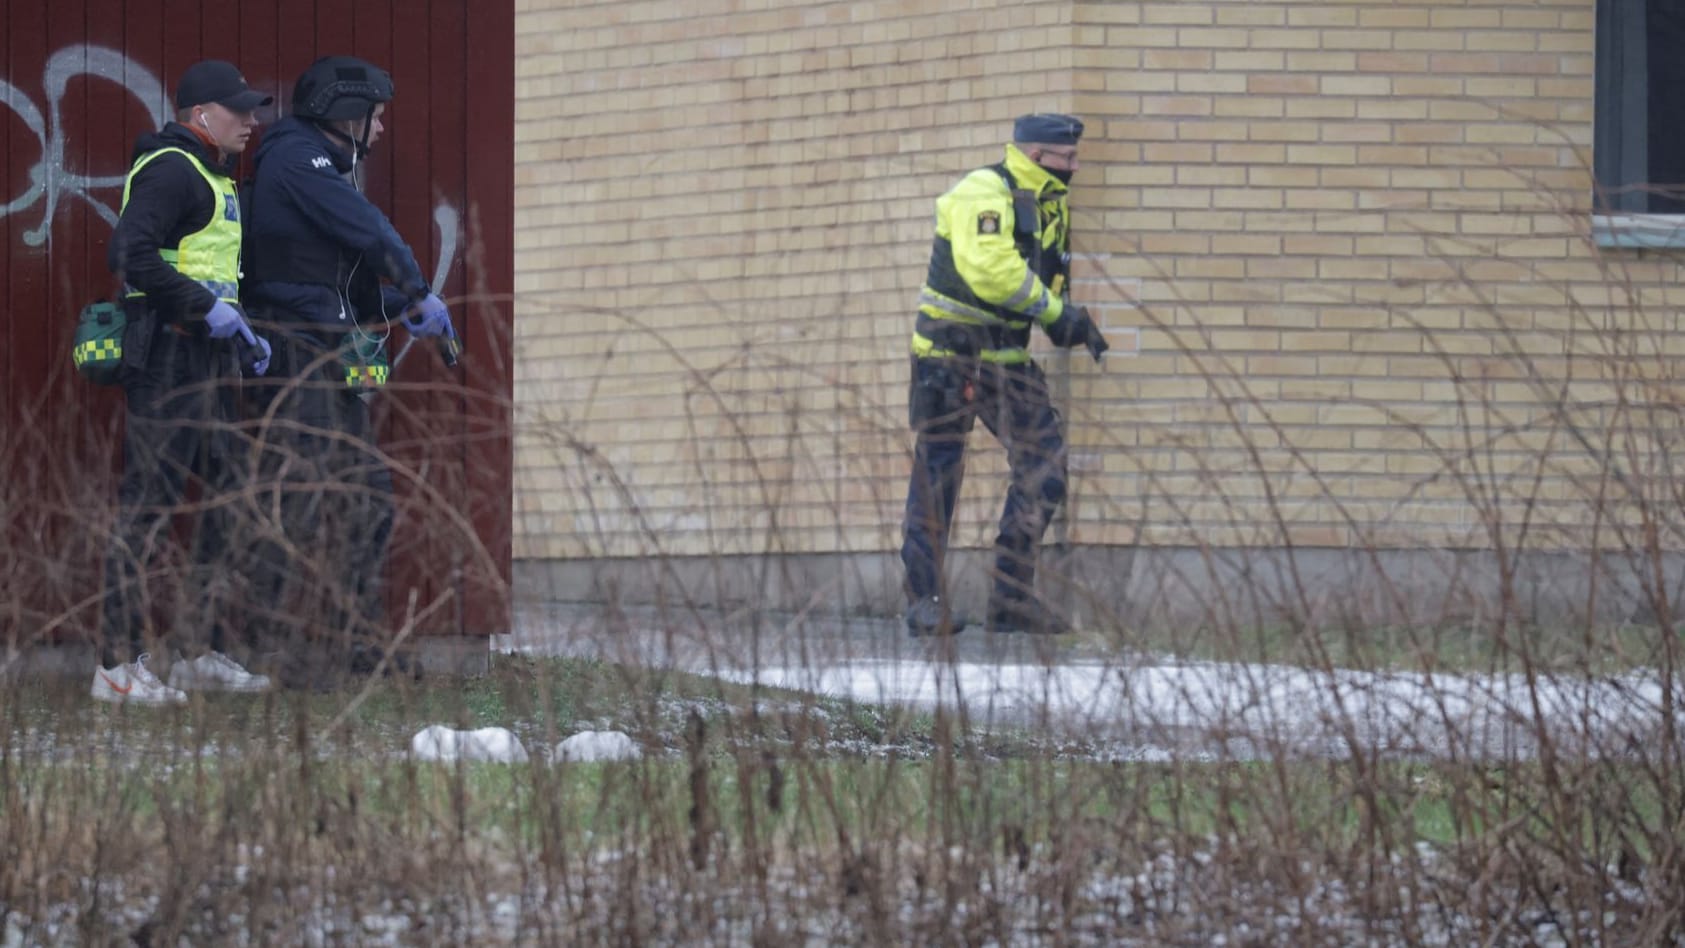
(428, 317)
(224, 321)
(262, 365)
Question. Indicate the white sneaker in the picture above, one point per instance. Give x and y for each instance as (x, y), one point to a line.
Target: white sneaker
(214, 671)
(133, 683)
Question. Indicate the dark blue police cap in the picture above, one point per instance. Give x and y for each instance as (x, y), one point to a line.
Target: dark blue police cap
(1047, 128)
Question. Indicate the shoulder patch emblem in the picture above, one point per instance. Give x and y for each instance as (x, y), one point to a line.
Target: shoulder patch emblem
(321, 161)
(988, 222)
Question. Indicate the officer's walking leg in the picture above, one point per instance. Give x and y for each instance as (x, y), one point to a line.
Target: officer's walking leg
(939, 411)
(932, 490)
(368, 515)
(292, 579)
(296, 563)
(220, 457)
(1028, 425)
(160, 448)
(217, 575)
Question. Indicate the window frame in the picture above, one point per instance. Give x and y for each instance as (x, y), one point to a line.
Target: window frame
(1620, 136)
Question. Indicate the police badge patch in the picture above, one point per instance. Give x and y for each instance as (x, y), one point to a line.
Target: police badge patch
(988, 222)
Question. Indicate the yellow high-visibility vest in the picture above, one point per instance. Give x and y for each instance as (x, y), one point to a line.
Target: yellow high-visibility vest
(209, 256)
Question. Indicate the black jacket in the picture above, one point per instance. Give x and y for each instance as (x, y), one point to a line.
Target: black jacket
(314, 246)
(168, 200)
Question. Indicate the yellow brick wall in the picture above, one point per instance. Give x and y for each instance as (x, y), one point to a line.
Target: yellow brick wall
(1342, 236)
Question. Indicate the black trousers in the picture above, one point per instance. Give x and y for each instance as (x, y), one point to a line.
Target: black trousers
(946, 398)
(181, 399)
(325, 507)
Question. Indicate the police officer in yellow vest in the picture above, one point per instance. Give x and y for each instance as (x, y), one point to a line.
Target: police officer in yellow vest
(176, 247)
(1000, 265)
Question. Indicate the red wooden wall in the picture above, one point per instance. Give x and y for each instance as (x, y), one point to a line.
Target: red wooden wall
(79, 80)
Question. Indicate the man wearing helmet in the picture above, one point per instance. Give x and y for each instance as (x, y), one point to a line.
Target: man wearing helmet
(326, 275)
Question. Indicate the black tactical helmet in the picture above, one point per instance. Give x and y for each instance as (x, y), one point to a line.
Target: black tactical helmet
(336, 88)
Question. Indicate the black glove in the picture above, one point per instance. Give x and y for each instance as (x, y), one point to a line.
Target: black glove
(1076, 328)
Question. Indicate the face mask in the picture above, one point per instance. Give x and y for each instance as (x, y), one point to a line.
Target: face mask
(1063, 176)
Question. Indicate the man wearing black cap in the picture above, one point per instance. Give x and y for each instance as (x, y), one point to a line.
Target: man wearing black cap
(176, 248)
(1001, 262)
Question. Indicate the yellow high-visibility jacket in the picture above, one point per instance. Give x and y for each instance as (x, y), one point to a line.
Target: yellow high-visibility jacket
(1000, 262)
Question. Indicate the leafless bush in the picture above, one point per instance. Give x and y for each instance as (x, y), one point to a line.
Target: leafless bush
(1252, 737)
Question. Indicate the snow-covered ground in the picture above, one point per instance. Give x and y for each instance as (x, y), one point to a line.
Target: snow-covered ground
(1265, 706)
(1142, 706)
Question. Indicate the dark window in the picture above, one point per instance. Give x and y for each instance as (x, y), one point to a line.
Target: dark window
(1638, 145)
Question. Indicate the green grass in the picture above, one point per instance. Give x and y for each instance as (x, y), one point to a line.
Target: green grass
(920, 773)
(786, 768)
(543, 700)
(1310, 804)
(216, 808)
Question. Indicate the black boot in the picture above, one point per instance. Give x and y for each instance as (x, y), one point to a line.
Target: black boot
(931, 616)
(1027, 615)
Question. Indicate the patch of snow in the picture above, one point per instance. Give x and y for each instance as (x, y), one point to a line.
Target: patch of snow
(1280, 706)
(597, 745)
(490, 744)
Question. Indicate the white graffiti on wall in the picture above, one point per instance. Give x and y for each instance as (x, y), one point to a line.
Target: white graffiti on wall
(447, 220)
(50, 182)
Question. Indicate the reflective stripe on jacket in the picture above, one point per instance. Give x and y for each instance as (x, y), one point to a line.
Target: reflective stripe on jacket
(996, 265)
(209, 256)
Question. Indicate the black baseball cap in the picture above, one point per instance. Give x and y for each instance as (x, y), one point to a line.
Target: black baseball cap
(216, 81)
